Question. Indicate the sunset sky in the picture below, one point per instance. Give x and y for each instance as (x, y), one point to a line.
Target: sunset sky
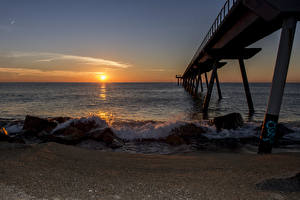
(125, 40)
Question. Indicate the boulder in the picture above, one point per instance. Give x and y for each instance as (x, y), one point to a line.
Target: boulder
(84, 125)
(188, 133)
(230, 121)
(33, 125)
(68, 135)
(107, 136)
(175, 140)
(189, 130)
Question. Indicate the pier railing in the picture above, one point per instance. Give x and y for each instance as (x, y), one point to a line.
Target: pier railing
(229, 4)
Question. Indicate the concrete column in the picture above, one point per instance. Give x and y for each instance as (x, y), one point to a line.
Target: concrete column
(210, 88)
(206, 80)
(218, 85)
(269, 127)
(246, 86)
(197, 83)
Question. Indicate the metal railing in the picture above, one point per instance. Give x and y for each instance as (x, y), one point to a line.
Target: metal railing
(229, 4)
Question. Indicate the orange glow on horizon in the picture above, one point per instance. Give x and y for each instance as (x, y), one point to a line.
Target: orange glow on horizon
(102, 77)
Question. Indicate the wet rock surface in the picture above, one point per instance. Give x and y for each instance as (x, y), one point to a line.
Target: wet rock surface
(230, 121)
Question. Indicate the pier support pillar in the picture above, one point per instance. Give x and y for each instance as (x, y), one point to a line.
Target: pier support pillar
(206, 80)
(200, 77)
(270, 123)
(246, 85)
(218, 86)
(197, 83)
(210, 88)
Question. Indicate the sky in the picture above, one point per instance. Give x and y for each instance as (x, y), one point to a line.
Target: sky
(125, 40)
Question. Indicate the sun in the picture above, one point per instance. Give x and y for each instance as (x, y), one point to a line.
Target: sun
(102, 77)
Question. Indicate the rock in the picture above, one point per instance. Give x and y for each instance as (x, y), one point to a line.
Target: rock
(283, 130)
(84, 125)
(186, 134)
(33, 125)
(68, 135)
(189, 130)
(175, 140)
(107, 136)
(230, 121)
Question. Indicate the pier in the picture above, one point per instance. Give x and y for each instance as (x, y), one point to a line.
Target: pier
(239, 24)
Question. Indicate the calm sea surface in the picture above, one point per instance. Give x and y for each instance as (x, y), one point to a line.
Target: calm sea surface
(137, 101)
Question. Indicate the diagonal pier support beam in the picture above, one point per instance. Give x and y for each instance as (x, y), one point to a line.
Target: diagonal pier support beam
(210, 88)
(206, 80)
(246, 85)
(201, 82)
(197, 84)
(218, 86)
(269, 128)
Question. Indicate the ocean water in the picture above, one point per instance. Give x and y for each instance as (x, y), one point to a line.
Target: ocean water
(137, 101)
(144, 110)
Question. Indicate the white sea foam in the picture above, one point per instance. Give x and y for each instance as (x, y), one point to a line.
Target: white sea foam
(100, 123)
(147, 131)
(248, 130)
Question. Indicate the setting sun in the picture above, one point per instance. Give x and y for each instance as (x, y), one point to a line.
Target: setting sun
(102, 77)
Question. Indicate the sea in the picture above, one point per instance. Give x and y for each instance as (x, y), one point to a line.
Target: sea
(145, 110)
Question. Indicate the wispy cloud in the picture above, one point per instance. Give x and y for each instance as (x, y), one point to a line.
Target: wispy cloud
(155, 70)
(36, 72)
(52, 57)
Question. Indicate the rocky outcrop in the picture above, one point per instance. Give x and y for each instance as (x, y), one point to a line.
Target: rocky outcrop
(230, 121)
(107, 136)
(68, 135)
(175, 140)
(186, 134)
(34, 125)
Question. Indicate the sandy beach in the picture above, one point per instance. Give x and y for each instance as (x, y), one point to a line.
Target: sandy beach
(55, 171)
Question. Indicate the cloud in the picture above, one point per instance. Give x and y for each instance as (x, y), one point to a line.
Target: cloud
(36, 72)
(52, 57)
(155, 70)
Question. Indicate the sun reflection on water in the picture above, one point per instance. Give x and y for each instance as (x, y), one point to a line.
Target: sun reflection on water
(107, 116)
(102, 94)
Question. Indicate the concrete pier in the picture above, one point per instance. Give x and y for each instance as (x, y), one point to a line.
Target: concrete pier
(241, 23)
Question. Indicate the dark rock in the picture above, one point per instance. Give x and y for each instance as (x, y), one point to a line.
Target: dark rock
(175, 140)
(230, 121)
(84, 125)
(282, 130)
(186, 134)
(33, 125)
(68, 135)
(189, 130)
(107, 136)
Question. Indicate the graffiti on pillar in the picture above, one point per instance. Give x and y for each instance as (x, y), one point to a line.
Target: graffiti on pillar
(271, 131)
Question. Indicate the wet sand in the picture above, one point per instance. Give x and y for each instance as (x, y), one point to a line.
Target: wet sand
(54, 171)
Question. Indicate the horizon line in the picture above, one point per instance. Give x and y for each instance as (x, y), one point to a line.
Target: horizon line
(124, 82)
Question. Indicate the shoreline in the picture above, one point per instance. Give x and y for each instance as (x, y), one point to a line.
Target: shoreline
(56, 171)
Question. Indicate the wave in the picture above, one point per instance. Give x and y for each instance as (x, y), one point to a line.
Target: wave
(136, 130)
